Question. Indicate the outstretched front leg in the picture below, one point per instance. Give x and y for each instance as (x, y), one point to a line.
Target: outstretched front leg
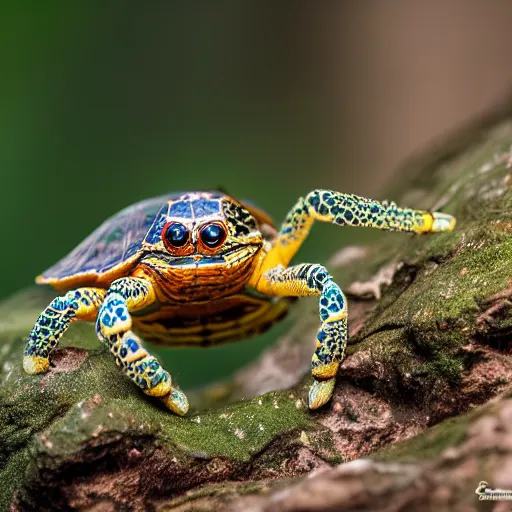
(311, 279)
(350, 210)
(113, 326)
(80, 304)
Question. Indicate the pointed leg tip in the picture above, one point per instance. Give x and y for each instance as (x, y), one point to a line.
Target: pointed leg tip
(35, 364)
(321, 392)
(176, 401)
(443, 222)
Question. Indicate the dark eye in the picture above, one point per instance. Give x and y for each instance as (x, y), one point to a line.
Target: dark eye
(177, 234)
(212, 235)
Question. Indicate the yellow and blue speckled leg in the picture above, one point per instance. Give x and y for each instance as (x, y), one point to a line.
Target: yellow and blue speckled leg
(313, 279)
(80, 304)
(273, 278)
(113, 326)
(351, 210)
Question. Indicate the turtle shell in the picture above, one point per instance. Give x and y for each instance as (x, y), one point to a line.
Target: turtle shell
(115, 247)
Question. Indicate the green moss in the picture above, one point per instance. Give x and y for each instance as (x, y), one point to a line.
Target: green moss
(320, 441)
(224, 490)
(236, 432)
(431, 317)
(12, 476)
(445, 367)
(241, 430)
(56, 415)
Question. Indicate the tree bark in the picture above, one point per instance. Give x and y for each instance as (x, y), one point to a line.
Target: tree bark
(429, 343)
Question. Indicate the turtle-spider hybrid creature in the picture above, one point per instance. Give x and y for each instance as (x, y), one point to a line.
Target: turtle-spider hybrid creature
(200, 268)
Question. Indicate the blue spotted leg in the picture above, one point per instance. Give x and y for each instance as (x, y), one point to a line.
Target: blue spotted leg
(113, 326)
(274, 278)
(313, 279)
(351, 210)
(79, 304)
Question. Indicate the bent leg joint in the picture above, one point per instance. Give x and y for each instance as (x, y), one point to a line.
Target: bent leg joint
(53, 322)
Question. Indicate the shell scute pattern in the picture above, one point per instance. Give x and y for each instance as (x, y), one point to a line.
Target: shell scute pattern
(179, 209)
(118, 239)
(122, 237)
(154, 232)
(205, 207)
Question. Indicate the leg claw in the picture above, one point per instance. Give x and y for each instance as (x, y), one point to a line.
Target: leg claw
(35, 364)
(442, 222)
(176, 401)
(321, 392)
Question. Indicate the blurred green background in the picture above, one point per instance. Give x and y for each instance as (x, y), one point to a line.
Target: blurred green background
(106, 103)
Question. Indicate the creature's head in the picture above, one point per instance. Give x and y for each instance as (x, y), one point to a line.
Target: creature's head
(210, 227)
(203, 240)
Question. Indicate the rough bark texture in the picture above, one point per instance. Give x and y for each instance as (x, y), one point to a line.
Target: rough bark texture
(431, 349)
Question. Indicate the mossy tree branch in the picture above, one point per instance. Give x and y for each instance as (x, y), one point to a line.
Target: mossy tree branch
(434, 345)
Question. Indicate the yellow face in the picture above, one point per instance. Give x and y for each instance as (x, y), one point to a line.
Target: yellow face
(206, 247)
